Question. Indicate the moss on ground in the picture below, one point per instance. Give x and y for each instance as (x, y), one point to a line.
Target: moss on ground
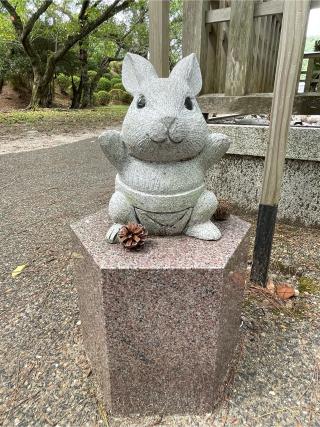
(306, 284)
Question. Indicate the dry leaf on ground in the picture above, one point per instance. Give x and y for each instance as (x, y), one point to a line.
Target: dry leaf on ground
(284, 291)
(18, 270)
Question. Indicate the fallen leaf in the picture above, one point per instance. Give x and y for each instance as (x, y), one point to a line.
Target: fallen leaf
(18, 270)
(284, 291)
(76, 255)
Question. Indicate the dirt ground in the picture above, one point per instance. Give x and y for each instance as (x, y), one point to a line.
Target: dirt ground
(26, 139)
(12, 100)
(25, 130)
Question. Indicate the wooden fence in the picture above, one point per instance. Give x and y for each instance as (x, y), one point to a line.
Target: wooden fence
(236, 62)
(238, 49)
(312, 74)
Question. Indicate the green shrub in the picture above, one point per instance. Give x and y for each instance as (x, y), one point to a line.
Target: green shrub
(120, 96)
(104, 84)
(118, 86)
(76, 80)
(92, 74)
(126, 98)
(114, 81)
(115, 67)
(20, 82)
(108, 76)
(116, 95)
(64, 81)
(102, 97)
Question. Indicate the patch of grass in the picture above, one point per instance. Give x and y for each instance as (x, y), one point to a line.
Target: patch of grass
(306, 284)
(97, 117)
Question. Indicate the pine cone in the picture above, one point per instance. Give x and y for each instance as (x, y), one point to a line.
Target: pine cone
(223, 211)
(132, 236)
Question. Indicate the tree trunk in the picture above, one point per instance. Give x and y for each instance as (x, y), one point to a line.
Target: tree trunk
(42, 95)
(102, 69)
(83, 56)
(76, 94)
(85, 100)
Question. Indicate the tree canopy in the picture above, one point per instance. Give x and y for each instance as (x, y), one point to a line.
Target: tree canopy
(73, 44)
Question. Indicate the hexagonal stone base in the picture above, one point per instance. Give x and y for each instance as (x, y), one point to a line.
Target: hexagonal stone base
(161, 325)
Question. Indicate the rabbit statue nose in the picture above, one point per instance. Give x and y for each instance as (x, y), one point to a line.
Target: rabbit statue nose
(167, 121)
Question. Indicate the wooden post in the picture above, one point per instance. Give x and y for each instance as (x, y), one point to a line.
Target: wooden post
(159, 36)
(272, 57)
(195, 33)
(267, 52)
(309, 75)
(294, 25)
(210, 80)
(252, 83)
(222, 50)
(240, 37)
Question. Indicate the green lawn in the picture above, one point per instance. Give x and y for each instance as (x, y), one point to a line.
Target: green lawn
(62, 120)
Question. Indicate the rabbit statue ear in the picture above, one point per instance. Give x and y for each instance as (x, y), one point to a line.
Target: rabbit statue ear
(135, 69)
(188, 69)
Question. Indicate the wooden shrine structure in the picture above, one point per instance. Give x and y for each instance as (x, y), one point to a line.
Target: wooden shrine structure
(250, 53)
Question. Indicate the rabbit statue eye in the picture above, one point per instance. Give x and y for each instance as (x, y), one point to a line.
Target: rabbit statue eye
(141, 101)
(188, 103)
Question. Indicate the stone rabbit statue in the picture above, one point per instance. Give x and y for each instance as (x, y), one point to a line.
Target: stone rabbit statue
(162, 153)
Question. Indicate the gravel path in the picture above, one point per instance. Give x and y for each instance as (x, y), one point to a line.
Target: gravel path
(44, 376)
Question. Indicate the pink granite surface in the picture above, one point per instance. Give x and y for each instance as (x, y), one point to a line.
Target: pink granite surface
(161, 325)
(160, 252)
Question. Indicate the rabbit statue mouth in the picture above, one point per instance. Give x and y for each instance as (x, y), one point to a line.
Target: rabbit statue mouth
(160, 141)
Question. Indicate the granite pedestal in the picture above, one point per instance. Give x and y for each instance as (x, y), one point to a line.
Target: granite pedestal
(161, 325)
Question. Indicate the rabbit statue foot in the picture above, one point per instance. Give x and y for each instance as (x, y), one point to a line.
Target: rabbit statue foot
(112, 233)
(205, 231)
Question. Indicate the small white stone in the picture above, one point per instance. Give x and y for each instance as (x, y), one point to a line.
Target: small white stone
(272, 393)
(78, 323)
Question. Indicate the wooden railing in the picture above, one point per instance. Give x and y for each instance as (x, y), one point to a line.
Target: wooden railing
(237, 44)
(236, 62)
(312, 74)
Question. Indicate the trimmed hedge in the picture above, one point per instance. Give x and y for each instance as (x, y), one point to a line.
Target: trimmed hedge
(101, 98)
(92, 74)
(118, 86)
(115, 80)
(104, 84)
(119, 96)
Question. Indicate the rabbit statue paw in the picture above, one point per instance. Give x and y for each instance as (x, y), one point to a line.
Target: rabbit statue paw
(162, 153)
